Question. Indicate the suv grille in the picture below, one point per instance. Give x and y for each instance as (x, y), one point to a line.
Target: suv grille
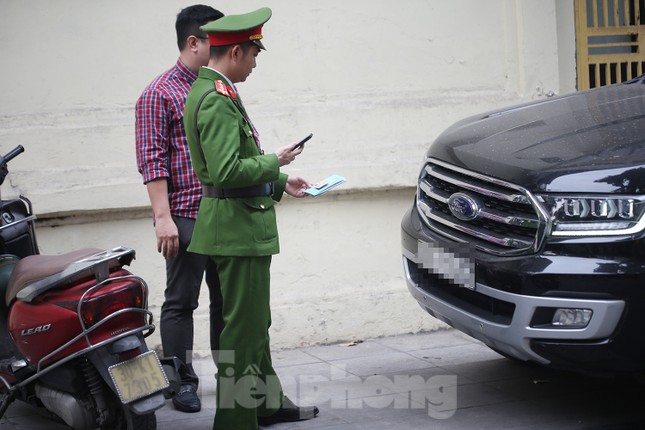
(499, 217)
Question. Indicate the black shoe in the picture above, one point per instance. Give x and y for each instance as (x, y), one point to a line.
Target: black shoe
(289, 412)
(186, 399)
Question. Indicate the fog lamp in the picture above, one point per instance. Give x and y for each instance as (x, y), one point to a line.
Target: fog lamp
(574, 318)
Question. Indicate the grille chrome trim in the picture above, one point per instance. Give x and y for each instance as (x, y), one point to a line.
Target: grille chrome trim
(500, 217)
(516, 198)
(498, 240)
(512, 222)
(493, 215)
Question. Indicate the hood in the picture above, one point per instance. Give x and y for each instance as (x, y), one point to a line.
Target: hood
(591, 141)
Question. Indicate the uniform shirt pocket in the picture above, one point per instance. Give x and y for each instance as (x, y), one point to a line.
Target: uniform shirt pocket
(248, 147)
(261, 212)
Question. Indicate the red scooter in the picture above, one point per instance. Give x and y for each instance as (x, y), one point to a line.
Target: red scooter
(72, 330)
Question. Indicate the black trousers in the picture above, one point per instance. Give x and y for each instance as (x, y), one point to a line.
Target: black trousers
(184, 274)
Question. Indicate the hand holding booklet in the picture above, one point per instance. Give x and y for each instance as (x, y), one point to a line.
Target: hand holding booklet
(325, 185)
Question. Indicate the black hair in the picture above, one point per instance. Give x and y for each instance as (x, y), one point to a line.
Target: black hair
(190, 19)
(219, 51)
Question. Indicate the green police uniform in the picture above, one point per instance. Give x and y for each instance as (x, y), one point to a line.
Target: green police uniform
(236, 226)
(242, 226)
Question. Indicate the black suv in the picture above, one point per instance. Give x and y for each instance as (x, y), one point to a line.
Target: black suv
(528, 230)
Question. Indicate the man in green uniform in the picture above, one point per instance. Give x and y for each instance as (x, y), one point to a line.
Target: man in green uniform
(236, 223)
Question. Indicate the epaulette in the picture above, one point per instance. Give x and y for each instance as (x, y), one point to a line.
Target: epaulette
(221, 88)
(225, 90)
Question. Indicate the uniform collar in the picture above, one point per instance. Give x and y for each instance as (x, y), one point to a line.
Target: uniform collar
(210, 73)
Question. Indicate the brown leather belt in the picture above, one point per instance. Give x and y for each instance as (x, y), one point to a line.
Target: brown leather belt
(259, 190)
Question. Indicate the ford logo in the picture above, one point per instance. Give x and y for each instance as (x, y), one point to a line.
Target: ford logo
(463, 206)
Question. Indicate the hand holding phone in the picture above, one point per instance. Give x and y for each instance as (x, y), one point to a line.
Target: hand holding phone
(302, 142)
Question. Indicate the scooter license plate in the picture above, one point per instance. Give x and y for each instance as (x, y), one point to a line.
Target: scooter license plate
(138, 377)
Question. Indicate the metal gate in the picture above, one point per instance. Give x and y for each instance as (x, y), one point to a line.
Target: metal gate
(610, 41)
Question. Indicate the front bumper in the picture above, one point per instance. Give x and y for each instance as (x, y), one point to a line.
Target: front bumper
(514, 319)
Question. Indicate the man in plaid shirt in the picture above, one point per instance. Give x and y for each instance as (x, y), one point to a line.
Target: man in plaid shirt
(164, 162)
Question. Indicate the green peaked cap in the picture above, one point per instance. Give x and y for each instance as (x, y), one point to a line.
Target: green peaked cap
(232, 29)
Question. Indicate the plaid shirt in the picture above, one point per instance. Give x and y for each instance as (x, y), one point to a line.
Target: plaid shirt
(162, 149)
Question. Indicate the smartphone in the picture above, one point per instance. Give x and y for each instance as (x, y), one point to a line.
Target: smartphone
(302, 142)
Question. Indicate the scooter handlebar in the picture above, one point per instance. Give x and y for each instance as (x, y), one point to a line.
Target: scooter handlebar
(14, 153)
(4, 171)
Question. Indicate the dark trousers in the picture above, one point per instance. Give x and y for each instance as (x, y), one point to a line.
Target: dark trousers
(184, 274)
(247, 385)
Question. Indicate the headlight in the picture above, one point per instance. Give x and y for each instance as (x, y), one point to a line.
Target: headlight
(595, 215)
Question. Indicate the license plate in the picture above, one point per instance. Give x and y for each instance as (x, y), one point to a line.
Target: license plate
(455, 265)
(138, 377)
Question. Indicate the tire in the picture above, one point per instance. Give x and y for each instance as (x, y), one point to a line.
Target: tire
(125, 419)
(128, 420)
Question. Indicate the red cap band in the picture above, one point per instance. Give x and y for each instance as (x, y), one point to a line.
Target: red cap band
(233, 37)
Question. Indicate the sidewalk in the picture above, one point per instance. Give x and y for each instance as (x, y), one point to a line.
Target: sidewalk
(439, 380)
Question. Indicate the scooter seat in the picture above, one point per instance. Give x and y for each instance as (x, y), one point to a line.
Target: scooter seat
(7, 264)
(34, 268)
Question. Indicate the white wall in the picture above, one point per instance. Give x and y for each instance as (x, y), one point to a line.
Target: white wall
(375, 81)
(338, 277)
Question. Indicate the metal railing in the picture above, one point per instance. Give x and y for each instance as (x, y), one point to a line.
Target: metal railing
(610, 41)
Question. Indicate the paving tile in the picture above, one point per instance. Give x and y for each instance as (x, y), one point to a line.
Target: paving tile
(441, 381)
(388, 412)
(442, 394)
(457, 354)
(496, 369)
(344, 351)
(387, 362)
(501, 416)
(422, 341)
(292, 357)
(410, 379)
